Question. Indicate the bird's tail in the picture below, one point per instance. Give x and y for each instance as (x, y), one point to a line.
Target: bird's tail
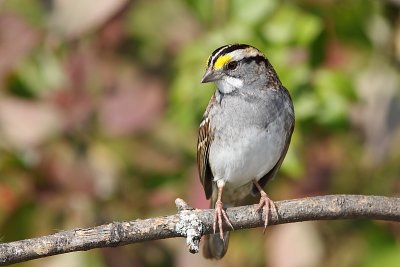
(214, 247)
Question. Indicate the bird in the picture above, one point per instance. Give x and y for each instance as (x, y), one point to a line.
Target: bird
(244, 135)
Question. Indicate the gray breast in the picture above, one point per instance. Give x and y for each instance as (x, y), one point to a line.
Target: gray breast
(236, 112)
(249, 135)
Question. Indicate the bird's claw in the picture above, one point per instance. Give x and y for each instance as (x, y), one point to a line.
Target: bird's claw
(220, 214)
(266, 204)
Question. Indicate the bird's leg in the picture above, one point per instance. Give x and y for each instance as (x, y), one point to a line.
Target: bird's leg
(219, 211)
(265, 203)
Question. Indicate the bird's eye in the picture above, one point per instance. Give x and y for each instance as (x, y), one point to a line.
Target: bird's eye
(232, 65)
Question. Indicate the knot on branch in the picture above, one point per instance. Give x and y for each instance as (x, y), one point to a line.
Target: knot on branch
(189, 225)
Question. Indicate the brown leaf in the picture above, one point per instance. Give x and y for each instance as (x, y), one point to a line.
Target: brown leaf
(132, 107)
(17, 40)
(73, 17)
(26, 124)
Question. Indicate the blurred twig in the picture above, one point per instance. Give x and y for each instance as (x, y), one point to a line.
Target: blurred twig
(331, 207)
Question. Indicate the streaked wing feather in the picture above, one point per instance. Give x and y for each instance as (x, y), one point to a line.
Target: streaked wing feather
(203, 145)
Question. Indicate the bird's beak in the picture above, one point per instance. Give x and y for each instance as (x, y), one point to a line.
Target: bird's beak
(210, 76)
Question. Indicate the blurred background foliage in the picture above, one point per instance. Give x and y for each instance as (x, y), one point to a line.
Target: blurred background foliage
(100, 103)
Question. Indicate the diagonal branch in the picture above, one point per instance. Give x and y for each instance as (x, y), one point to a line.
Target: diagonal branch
(194, 223)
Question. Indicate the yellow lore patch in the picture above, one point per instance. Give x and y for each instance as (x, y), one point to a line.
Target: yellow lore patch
(221, 61)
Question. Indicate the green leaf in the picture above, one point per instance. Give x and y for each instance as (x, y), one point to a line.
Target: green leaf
(333, 91)
(251, 11)
(291, 25)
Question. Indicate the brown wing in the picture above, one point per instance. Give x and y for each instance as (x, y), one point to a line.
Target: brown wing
(263, 181)
(203, 145)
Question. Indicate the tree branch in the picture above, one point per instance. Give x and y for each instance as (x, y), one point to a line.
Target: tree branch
(193, 223)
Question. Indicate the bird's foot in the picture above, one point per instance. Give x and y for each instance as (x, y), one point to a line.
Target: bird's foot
(218, 216)
(266, 204)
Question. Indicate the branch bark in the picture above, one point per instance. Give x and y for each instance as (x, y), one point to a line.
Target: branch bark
(193, 223)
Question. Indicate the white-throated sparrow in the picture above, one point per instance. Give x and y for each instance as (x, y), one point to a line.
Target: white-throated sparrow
(244, 135)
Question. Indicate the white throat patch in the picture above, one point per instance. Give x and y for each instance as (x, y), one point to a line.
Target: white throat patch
(229, 84)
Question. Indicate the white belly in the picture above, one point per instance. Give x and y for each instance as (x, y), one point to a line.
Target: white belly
(246, 156)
